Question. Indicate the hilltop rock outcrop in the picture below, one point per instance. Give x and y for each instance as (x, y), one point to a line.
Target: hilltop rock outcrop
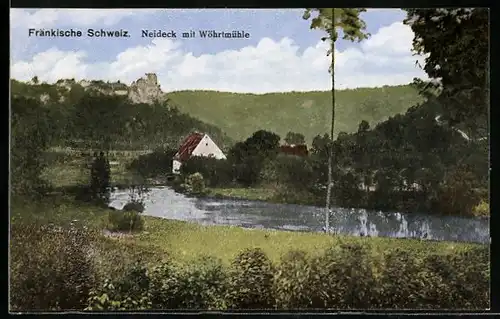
(146, 90)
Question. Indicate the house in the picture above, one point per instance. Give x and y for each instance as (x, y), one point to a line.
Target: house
(196, 144)
(297, 150)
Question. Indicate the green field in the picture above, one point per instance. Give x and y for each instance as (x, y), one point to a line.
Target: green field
(239, 115)
(186, 242)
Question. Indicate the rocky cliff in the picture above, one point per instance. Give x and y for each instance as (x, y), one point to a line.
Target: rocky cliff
(146, 90)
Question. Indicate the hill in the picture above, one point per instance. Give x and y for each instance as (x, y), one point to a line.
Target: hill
(239, 115)
(85, 115)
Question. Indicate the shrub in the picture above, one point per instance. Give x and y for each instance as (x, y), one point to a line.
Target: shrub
(201, 285)
(342, 278)
(456, 196)
(215, 172)
(482, 209)
(125, 220)
(400, 285)
(51, 268)
(134, 206)
(157, 163)
(164, 286)
(292, 281)
(129, 292)
(466, 276)
(251, 281)
(194, 184)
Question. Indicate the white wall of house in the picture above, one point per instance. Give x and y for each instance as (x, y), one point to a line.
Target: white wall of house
(208, 148)
(176, 167)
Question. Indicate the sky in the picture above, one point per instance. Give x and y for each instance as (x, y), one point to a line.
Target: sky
(281, 53)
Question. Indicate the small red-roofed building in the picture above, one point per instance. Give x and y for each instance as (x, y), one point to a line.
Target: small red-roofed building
(196, 144)
(297, 150)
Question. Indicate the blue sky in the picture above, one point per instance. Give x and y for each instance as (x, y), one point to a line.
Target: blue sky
(282, 53)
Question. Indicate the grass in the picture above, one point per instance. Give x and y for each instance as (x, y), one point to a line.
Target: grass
(66, 170)
(258, 193)
(267, 194)
(186, 242)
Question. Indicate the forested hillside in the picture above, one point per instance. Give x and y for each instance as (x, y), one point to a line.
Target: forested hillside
(86, 118)
(239, 115)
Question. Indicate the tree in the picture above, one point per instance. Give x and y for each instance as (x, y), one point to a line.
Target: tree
(35, 80)
(30, 137)
(330, 20)
(295, 138)
(100, 178)
(456, 42)
(363, 127)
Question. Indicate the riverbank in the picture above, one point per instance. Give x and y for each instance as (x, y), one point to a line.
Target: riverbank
(186, 242)
(269, 195)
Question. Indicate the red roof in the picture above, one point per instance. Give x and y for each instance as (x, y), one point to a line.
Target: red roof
(187, 147)
(298, 150)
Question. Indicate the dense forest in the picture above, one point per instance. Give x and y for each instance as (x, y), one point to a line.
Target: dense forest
(90, 118)
(239, 115)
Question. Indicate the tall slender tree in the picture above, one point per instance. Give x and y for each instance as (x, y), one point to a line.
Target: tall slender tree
(353, 28)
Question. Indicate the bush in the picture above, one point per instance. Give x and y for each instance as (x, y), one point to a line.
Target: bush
(466, 276)
(154, 164)
(482, 209)
(251, 281)
(400, 286)
(457, 196)
(202, 285)
(292, 281)
(125, 220)
(134, 206)
(194, 184)
(343, 278)
(130, 292)
(215, 172)
(51, 268)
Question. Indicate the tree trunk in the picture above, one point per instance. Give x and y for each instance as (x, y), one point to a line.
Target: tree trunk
(330, 148)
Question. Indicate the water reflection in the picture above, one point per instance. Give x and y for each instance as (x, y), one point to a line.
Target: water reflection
(164, 202)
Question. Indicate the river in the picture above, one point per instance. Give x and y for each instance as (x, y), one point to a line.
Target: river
(166, 203)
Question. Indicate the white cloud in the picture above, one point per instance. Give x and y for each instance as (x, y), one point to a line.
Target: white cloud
(269, 66)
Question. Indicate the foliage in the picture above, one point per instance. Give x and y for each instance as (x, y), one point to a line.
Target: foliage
(202, 285)
(216, 172)
(86, 118)
(240, 114)
(456, 42)
(248, 157)
(157, 163)
(129, 218)
(194, 184)
(130, 292)
(51, 267)
(100, 178)
(291, 282)
(294, 138)
(289, 171)
(251, 281)
(343, 277)
(30, 136)
(456, 195)
(482, 209)
(125, 220)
